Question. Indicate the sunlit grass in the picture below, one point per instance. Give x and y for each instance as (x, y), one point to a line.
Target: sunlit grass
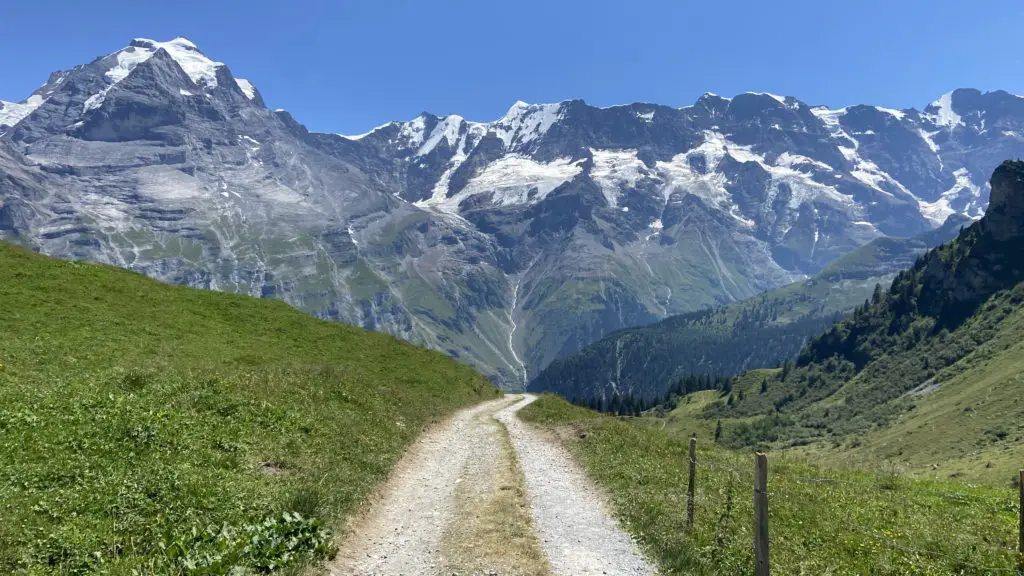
(154, 427)
(822, 521)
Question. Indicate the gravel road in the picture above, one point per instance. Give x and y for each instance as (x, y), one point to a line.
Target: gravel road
(577, 532)
(403, 532)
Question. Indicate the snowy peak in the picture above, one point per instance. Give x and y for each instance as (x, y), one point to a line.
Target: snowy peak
(524, 123)
(942, 112)
(447, 130)
(180, 42)
(776, 97)
(200, 69)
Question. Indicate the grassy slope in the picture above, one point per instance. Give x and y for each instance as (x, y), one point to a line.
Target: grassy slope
(971, 425)
(822, 521)
(966, 422)
(132, 412)
(926, 377)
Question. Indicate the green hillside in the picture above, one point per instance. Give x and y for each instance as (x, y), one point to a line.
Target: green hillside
(153, 427)
(757, 332)
(926, 374)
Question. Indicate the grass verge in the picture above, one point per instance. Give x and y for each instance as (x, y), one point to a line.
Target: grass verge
(822, 521)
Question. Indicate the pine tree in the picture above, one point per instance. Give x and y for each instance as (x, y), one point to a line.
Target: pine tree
(718, 430)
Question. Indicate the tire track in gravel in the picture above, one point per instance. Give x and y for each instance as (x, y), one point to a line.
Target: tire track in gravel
(425, 523)
(401, 534)
(578, 534)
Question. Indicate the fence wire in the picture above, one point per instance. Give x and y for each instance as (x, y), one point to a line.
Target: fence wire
(708, 500)
(892, 544)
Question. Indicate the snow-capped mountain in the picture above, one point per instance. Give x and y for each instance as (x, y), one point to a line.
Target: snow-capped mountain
(506, 244)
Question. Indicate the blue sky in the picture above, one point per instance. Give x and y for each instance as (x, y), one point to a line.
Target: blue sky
(345, 66)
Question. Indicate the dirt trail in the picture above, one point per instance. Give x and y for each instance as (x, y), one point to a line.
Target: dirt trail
(492, 532)
(401, 534)
(475, 497)
(578, 534)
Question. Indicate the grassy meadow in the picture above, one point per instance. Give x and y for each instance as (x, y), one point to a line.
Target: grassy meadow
(156, 429)
(822, 520)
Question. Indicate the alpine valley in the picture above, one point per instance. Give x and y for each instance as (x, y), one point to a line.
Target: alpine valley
(506, 244)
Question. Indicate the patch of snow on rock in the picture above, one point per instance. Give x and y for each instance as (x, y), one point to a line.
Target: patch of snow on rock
(447, 129)
(615, 171)
(199, 68)
(647, 117)
(865, 171)
(246, 87)
(801, 185)
(441, 187)
(525, 123)
(776, 97)
(413, 132)
(830, 118)
(963, 189)
(679, 176)
(512, 180)
(787, 160)
(127, 59)
(928, 138)
(13, 112)
(945, 116)
(898, 114)
(356, 136)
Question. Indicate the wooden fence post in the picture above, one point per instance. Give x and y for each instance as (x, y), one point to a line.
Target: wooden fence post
(760, 514)
(692, 485)
(1020, 485)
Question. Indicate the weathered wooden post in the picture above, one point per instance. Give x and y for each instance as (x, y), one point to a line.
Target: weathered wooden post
(760, 514)
(1020, 547)
(692, 485)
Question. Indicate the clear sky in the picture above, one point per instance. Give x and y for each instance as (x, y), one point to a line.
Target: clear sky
(346, 66)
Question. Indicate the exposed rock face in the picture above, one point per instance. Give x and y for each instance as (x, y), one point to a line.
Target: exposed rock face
(506, 244)
(985, 258)
(1005, 215)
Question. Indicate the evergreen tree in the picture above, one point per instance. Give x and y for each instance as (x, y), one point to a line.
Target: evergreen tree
(718, 430)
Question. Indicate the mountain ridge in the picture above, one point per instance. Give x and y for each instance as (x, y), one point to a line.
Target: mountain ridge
(604, 218)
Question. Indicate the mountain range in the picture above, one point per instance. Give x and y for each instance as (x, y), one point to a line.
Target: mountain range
(506, 244)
